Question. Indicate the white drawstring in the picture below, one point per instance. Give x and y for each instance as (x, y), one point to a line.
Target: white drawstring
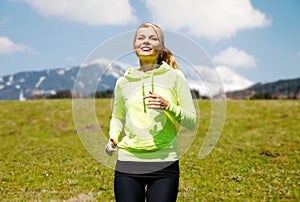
(152, 81)
(143, 93)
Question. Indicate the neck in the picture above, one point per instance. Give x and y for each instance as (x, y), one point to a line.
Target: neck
(148, 65)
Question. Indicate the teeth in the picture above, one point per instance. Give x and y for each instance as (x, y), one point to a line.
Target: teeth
(146, 48)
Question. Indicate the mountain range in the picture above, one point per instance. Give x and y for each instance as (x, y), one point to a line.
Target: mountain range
(281, 89)
(101, 74)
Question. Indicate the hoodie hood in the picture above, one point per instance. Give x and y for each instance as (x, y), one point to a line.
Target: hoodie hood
(134, 74)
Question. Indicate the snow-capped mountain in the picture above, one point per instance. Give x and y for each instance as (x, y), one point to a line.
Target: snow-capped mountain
(26, 84)
(212, 81)
(101, 75)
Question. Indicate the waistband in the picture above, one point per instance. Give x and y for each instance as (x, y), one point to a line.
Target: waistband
(148, 169)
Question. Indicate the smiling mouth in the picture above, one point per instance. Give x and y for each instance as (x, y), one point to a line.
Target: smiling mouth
(146, 48)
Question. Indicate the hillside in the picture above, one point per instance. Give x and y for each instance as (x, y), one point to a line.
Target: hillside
(24, 85)
(101, 75)
(281, 89)
(256, 158)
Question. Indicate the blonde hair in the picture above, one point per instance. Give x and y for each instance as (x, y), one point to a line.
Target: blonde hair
(165, 55)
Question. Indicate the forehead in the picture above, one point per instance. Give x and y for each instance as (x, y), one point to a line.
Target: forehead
(146, 31)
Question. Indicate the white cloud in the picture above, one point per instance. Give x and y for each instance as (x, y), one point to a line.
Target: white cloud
(234, 57)
(9, 47)
(231, 80)
(91, 12)
(211, 19)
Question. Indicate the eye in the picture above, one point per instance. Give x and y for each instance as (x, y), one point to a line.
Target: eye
(154, 38)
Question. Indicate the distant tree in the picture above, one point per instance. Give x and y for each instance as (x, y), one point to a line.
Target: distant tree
(61, 94)
(262, 96)
(103, 94)
(37, 96)
(195, 94)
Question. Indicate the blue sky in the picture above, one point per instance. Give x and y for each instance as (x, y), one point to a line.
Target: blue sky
(258, 39)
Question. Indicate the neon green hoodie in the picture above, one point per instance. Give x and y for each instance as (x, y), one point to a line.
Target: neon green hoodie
(150, 134)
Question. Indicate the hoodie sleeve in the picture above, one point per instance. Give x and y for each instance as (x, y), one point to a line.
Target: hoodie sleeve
(118, 115)
(183, 111)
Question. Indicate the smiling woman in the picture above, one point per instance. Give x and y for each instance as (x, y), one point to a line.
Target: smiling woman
(150, 102)
(147, 45)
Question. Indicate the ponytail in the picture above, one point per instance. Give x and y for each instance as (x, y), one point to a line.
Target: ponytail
(167, 56)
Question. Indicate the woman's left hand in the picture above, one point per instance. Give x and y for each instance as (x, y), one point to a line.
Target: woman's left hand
(156, 101)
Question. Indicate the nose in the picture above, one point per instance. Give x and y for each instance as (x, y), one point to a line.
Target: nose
(146, 41)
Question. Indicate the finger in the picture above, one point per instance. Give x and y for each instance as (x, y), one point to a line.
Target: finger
(109, 153)
(156, 107)
(153, 107)
(153, 103)
(152, 93)
(154, 96)
(111, 148)
(155, 100)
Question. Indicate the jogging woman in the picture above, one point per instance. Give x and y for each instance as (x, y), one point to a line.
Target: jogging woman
(151, 102)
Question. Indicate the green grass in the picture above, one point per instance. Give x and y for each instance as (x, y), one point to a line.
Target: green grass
(256, 159)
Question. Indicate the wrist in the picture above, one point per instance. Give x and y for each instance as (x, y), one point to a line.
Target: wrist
(113, 141)
(169, 106)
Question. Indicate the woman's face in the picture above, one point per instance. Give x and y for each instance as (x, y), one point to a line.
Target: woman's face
(147, 43)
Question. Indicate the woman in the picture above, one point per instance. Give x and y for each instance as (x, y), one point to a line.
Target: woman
(151, 103)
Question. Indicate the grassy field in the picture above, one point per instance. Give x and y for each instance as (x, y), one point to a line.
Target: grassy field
(256, 159)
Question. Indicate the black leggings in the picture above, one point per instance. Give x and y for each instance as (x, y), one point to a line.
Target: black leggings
(132, 189)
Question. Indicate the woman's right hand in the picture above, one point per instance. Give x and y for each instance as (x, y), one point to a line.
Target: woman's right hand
(110, 147)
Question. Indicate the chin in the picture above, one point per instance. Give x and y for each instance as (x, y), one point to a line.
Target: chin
(147, 54)
(147, 57)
